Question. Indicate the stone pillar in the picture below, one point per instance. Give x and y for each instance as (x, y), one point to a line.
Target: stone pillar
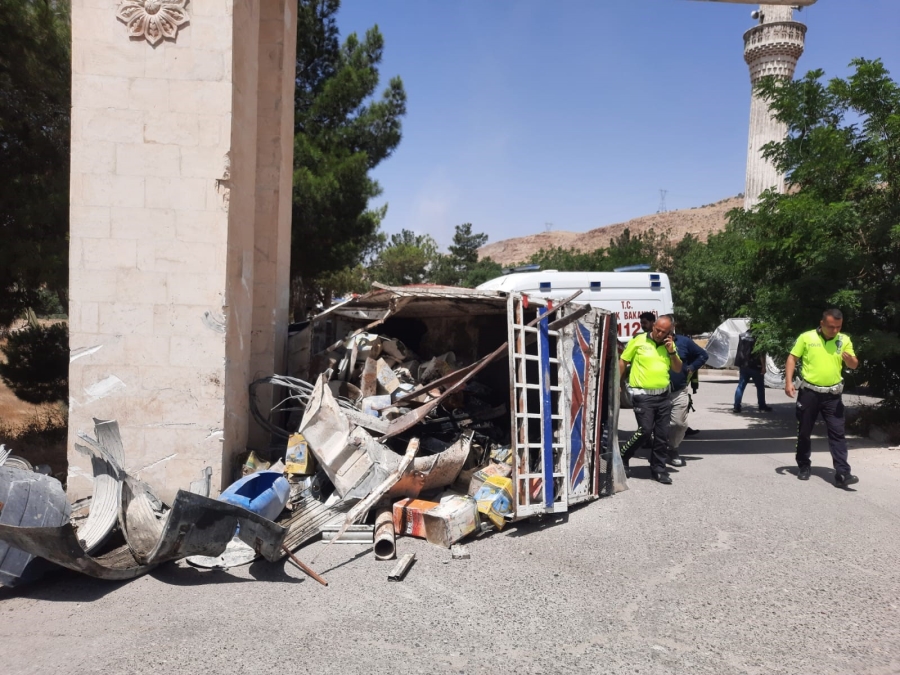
(176, 211)
(274, 184)
(771, 48)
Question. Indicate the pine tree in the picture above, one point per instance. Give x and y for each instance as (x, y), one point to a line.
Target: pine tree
(340, 136)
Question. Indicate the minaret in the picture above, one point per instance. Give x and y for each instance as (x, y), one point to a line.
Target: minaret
(771, 48)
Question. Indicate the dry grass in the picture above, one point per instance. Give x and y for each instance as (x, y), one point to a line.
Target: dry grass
(41, 439)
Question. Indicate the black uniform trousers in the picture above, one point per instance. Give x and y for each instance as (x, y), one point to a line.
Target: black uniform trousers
(652, 414)
(809, 404)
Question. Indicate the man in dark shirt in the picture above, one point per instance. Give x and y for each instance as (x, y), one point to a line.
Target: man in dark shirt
(752, 368)
(692, 357)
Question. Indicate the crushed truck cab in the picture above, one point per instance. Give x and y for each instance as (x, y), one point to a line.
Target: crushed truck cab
(551, 366)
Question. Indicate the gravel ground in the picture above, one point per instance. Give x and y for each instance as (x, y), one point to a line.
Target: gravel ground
(736, 568)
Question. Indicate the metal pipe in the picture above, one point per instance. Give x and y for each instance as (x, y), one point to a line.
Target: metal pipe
(385, 548)
(303, 567)
(355, 534)
(402, 567)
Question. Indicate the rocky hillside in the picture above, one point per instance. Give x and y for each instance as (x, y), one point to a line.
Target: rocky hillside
(699, 221)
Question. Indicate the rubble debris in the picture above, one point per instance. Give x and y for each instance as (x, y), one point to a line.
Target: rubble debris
(264, 493)
(27, 499)
(410, 485)
(494, 499)
(298, 459)
(194, 525)
(480, 475)
(451, 520)
(309, 517)
(355, 534)
(303, 567)
(442, 469)
(153, 532)
(408, 516)
(362, 508)
(16, 462)
(203, 486)
(237, 553)
(340, 450)
(402, 567)
(107, 462)
(418, 429)
(253, 463)
(460, 552)
(385, 544)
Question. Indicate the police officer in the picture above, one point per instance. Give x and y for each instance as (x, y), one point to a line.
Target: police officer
(651, 355)
(823, 353)
(692, 356)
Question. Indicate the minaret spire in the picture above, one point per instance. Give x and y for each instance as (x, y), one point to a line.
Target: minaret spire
(773, 47)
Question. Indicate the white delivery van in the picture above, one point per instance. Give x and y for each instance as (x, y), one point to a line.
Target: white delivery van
(627, 294)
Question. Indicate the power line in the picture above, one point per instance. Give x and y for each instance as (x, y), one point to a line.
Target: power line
(662, 202)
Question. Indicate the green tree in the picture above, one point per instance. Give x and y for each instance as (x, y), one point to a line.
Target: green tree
(570, 260)
(626, 249)
(644, 248)
(708, 280)
(341, 134)
(454, 268)
(484, 270)
(35, 96)
(834, 239)
(407, 259)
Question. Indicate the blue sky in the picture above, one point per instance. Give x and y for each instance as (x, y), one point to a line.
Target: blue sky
(577, 112)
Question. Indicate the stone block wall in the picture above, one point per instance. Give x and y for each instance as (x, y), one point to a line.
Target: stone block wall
(166, 292)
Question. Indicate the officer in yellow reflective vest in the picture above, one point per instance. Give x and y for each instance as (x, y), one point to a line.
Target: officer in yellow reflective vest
(822, 353)
(651, 355)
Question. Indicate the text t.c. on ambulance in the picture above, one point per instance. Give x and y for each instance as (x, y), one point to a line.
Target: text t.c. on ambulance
(627, 294)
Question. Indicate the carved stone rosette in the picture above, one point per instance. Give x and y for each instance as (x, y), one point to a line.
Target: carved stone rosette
(153, 19)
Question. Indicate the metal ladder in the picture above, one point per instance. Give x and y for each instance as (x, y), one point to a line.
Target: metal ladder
(539, 407)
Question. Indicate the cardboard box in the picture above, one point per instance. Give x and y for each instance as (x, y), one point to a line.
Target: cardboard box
(408, 517)
(491, 470)
(451, 520)
(494, 499)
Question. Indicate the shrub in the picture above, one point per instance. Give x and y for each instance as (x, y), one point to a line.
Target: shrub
(37, 363)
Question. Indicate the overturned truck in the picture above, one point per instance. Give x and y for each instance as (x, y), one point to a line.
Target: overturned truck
(518, 374)
(429, 411)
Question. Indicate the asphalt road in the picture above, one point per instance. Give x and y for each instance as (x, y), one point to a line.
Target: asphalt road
(736, 568)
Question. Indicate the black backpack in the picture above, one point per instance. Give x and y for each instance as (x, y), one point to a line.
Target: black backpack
(744, 355)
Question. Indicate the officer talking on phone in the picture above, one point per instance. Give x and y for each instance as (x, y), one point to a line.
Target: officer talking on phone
(823, 353)
(651, 355)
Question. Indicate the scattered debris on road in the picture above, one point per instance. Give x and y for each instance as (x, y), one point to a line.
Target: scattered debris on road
(431, 412)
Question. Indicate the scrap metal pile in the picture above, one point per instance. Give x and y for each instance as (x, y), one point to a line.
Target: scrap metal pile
(432, 413)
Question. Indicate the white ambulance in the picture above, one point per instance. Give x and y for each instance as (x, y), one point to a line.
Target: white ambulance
(627, 294)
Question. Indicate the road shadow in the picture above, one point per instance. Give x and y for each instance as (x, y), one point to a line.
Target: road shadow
(643, 472)
(178, 575)
(367, 551)
(756, 433)
(821, 472)
(62, 585)
(536, 524)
